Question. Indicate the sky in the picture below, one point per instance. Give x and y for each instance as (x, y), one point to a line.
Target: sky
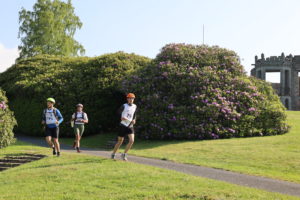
(249, 27)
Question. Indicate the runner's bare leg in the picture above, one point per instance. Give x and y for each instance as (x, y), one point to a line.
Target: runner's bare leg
(56, 143)
(119, 143)
(130, 142)
(78, 140)
(48, 140)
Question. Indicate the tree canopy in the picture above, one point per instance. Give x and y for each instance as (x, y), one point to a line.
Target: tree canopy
(49, 29)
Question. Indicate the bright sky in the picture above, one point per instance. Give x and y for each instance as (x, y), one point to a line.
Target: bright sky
(248, 27)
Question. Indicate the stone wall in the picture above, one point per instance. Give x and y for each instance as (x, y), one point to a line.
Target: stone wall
(288, 66)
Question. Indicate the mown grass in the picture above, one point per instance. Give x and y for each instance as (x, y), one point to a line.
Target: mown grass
(79, 176)
(95, 141)
(273, 156)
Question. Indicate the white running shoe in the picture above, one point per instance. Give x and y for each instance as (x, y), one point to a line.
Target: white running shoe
(124, 156)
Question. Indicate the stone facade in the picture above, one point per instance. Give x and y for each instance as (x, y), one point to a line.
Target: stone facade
(289, 68)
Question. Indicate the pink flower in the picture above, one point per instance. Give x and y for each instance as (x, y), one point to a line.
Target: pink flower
(252, 109)
(2, 105)
(165, 74)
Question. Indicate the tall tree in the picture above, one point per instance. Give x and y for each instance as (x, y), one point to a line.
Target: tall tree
(49, 29)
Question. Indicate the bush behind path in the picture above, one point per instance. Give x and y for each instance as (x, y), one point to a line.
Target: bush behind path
(91, 81)
(201, 92)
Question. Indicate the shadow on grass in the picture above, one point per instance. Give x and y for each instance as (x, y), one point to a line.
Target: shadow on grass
(86, 161)
(14, 160)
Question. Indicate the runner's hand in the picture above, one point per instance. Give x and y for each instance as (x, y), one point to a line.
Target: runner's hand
(43, 122)
(56, 122)
(123, 118)
(133, 121)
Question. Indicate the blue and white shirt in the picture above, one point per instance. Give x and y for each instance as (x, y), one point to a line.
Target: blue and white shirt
(50, 116)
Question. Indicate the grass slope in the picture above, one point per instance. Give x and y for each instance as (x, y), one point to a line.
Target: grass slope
(78, 176)
(274, 156)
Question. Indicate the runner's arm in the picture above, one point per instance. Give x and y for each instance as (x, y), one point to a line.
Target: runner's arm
(73, 117)
(59, 116)
(86, 119)
(120, 111)
(134, 116)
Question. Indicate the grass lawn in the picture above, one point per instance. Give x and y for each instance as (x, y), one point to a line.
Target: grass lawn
(274, 156)
(95, 141)
(78, 176)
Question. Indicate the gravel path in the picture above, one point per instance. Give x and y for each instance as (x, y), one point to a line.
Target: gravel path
(267, 184)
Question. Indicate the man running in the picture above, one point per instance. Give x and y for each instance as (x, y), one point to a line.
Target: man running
(128, 119)
(79, 118)
(51, 119)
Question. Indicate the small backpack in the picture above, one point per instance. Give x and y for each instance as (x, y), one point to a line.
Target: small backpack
(82, 116)
(54, 112)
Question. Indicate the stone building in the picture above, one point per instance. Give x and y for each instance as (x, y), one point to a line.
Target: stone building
(289, 68)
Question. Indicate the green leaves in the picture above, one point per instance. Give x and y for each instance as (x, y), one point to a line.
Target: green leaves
(91, 81)
(202, 92)
(49, 29)
(7, 122)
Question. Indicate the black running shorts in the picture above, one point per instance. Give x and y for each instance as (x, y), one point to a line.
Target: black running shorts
(53, 132)
(124, 130)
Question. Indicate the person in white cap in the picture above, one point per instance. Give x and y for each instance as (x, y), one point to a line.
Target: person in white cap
(51, 120)
(79, 118)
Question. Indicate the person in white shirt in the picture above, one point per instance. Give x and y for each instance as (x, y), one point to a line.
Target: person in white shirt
(79, 118)
(128, 119)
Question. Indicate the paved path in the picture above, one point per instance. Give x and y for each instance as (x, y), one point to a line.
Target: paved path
(267, 184)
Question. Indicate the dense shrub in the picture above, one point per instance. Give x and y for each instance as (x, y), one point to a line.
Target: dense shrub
(7, 122)
(201, 92)
(91, 81)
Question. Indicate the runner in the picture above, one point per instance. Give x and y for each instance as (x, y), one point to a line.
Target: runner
(51, 119)
(79, 119)
(128, 119)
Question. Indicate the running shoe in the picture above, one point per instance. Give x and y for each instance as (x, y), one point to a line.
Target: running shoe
(124, 156)
(54, 152)
(113, 156)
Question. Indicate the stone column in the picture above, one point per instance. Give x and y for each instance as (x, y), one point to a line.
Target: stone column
(288, 83)
(263, 74)
(295, 89)
(258, 73)
(282, 82)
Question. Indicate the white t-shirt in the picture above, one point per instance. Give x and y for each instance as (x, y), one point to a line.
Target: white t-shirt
(128, 113)
(80, 116)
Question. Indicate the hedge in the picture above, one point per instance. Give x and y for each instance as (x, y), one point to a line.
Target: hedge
(90, 81)
(7, 122)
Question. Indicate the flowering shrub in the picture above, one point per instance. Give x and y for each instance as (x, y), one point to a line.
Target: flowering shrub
(7, 122)
(201, 92)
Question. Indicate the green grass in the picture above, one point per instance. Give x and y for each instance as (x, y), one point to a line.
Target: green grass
(79, 176)
(95, 141)
(274, 156)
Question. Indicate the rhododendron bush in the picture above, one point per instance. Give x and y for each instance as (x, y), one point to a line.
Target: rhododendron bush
(7, 122)
(201, 92)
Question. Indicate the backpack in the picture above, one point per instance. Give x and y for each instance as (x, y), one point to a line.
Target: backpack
(54, 112)
(82, 116)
